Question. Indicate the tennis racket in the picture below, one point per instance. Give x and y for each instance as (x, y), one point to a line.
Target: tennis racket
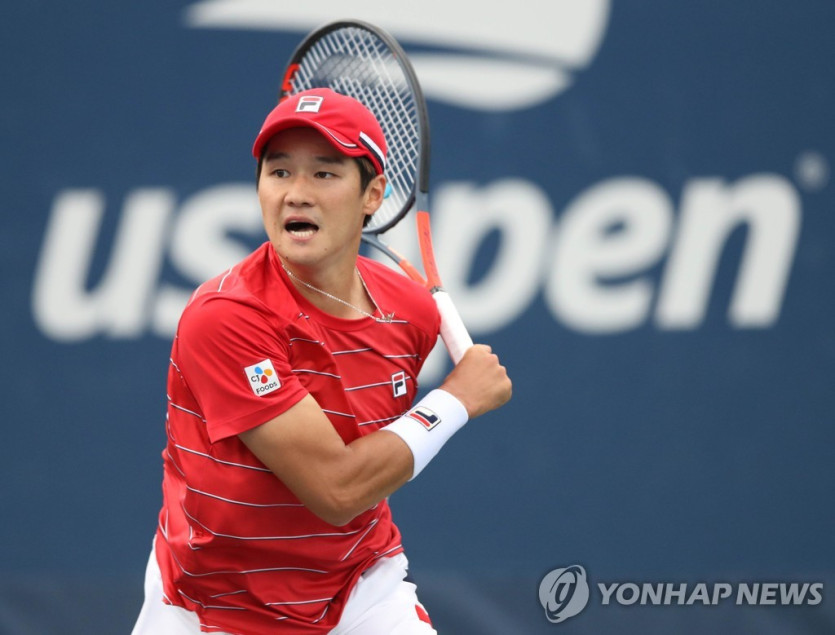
(364, 62)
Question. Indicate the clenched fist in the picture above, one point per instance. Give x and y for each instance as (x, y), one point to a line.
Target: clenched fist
(479, 381)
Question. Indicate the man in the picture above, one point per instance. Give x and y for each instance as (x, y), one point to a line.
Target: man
(290, 417)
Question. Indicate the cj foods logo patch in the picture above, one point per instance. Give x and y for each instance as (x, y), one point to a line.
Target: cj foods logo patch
(262, 377)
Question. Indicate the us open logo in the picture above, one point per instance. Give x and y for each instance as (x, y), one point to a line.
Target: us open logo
(563, 593)
(262, 377)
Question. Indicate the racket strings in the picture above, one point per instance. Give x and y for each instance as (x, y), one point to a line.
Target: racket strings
(357, 63)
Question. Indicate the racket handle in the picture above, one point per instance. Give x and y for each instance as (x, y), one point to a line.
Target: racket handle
(455, 335)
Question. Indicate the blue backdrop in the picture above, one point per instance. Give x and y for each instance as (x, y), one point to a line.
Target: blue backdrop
(633, 204)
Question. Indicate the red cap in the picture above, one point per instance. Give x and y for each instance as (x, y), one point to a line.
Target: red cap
(345, 122)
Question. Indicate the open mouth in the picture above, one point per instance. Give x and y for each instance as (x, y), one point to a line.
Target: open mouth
(301, 229)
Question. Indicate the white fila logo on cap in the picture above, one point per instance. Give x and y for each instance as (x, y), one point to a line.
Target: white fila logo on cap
(309, 103)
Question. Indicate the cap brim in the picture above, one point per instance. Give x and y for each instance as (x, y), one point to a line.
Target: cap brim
(336, 140)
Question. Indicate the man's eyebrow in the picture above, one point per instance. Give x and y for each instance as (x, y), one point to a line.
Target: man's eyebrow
(274, 156)
(335, 159)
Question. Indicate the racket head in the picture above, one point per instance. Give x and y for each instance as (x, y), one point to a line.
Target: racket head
(362, 61)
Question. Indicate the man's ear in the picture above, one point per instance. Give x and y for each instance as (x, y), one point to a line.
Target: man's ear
(375, 194)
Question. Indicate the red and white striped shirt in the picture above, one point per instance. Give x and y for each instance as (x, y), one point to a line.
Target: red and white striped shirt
(234, 544)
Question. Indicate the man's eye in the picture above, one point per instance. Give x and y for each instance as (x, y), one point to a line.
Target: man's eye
(324, 175)
(280, 172)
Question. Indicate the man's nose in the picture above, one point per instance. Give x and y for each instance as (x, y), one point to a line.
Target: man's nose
(299, 191)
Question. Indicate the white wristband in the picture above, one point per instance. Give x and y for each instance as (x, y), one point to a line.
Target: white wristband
(428, 425)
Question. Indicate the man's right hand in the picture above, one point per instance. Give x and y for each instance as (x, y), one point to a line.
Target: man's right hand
(479, 381)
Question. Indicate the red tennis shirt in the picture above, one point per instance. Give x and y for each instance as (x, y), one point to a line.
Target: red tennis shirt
(234, 544)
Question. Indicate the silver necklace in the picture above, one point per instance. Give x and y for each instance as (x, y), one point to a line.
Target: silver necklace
(384, 318)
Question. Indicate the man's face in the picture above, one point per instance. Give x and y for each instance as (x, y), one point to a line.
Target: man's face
(311, 203)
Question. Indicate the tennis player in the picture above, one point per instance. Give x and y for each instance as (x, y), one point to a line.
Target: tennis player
(290, 406)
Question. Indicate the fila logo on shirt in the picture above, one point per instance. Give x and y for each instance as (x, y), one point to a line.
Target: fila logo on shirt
(398, 384)
(262, 377)
(309, 103)
(425, 417)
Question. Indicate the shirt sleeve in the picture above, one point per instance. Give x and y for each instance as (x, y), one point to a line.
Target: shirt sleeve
(234, 357)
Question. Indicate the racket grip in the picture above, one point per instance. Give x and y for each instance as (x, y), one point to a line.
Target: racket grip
(455, 335)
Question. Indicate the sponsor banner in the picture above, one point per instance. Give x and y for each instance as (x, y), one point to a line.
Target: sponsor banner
(632, 204)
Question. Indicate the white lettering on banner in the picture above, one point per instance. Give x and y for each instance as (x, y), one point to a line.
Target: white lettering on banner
(615, 230)
(62, 306)
(200, 246)
(129, 299)
(770, 207)
(466, 214)
(597, 264)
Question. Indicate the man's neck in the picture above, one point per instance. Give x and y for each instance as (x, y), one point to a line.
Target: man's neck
(338, 293)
